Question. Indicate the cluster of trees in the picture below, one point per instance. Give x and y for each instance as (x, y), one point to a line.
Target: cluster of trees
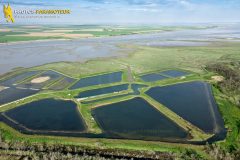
(218, 153)
(231, 82)
(189, 154)
(230, 86)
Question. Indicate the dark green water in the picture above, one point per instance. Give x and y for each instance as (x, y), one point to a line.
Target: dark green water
(13, 94)
(153, 77)
(100, 91)
(48, 115)
(193, 101)
(96, 80)
(174, 73)
(136, 119)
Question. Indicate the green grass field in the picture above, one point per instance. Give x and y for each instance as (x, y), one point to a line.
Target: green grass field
(148, 59)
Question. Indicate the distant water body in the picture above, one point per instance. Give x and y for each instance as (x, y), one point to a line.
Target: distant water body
(29, 54)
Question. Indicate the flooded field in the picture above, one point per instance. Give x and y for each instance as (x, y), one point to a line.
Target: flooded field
(18, 78)
(62, 84)
(101, 91)
(37, 83)
(38, 53)
(48, 115)
(13, 94)
(136, 119)
(192, 101)
(97, 80)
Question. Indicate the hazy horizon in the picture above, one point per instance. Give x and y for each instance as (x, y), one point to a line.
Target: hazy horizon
(151, 12)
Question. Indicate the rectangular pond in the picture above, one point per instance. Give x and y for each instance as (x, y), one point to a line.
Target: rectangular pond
(152, 77)
(136, 119)
(174, 73)
(13, 94)
(19, 77)
(134, 87)
(97, 80)
(48, 115)
(193, 101)
(62, 84)
(38, 84)
(101, 91)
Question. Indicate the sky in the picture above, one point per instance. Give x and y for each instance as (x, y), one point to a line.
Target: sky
(131, 11)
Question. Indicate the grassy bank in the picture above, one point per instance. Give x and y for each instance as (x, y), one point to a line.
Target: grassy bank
(10, 134)
(231, 116)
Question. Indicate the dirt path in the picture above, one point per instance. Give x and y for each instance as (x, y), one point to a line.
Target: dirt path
(130, 76)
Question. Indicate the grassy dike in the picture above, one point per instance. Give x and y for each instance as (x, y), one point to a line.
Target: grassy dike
(10, 134)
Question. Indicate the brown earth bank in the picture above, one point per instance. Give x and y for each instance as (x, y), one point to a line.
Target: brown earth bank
(217, 78)
(2, 88)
